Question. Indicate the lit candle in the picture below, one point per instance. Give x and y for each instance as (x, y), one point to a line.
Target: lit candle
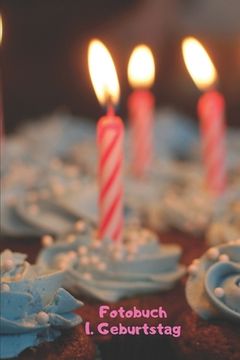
(141, 74)
(211, 111)
(110, 133)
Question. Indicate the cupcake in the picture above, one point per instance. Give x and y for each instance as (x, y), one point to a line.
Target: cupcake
(37, 315)
(212, 329)
(33, 173)
(225, 222)
(186, 207)
(140, 272)
(47, 204)
(111, 271)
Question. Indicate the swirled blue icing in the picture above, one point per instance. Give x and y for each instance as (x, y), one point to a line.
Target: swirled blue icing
(108, 271)
(34, 308)
(213, 287)
(225, 221)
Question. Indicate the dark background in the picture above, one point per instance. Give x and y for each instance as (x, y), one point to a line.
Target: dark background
(43, 54)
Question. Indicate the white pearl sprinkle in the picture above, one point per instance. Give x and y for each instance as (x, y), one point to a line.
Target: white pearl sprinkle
(70, 238)
(4, 287)
(80, 226)
(28, 324)
(47, 240)
(117, 246)
(42, 318)
(44, 195)
(145, 233)
(96, 244)
(130, 257)
(71, 170)
(33, 209)
(8, 264)
(82, 250)
(58, 189)
(223, 258)
(55, 163)
(141, 240)
(132, 249)
(110, 247)
(117, 255)
(87, 276)
(94, 235)
(94, 259)
(84, 260)
(135, 221)
(192, 269)
(133, 237)
(32, 196)
(219, 292)
(72, 255)
(101, 266)
(11, 201)
(213, 253)
(62, 264)
(196, 262)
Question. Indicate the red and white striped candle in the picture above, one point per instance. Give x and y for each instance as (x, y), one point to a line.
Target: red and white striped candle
(110, 134)
(141, 114)
(211, 112)
(1, 96)
(141, 73)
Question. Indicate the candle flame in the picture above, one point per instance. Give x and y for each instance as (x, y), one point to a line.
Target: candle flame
(198, 63)
(141, 67)
(1, 29)
(103, 73)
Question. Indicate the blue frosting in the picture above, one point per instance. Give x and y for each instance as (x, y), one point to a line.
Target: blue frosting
(34, 308)
(109, 271)
(213, 288)
(187, 206)
(225, 222)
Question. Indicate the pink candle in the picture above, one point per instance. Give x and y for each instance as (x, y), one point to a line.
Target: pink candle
(1, 120)
(141, 73)
(1, 97)
(141, 113)
(110, 134)
(211, 112)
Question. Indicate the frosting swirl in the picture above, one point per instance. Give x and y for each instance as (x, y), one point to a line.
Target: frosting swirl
(109, 271)
(225, 224)
(34, 308)
(213, 288)
(187, 207)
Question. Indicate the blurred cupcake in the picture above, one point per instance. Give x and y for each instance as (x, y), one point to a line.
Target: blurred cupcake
(211, 329)
(187, 208)
(110, 271)
(37, 315)
(225, 222)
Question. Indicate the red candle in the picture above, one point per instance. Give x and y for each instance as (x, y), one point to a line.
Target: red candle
(110, 134)
(110, 145)
(211, 112)
(141, 112)
(1, 98)
(1, 119)
(141, 73)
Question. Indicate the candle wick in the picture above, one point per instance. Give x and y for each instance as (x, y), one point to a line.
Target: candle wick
(110, 110)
